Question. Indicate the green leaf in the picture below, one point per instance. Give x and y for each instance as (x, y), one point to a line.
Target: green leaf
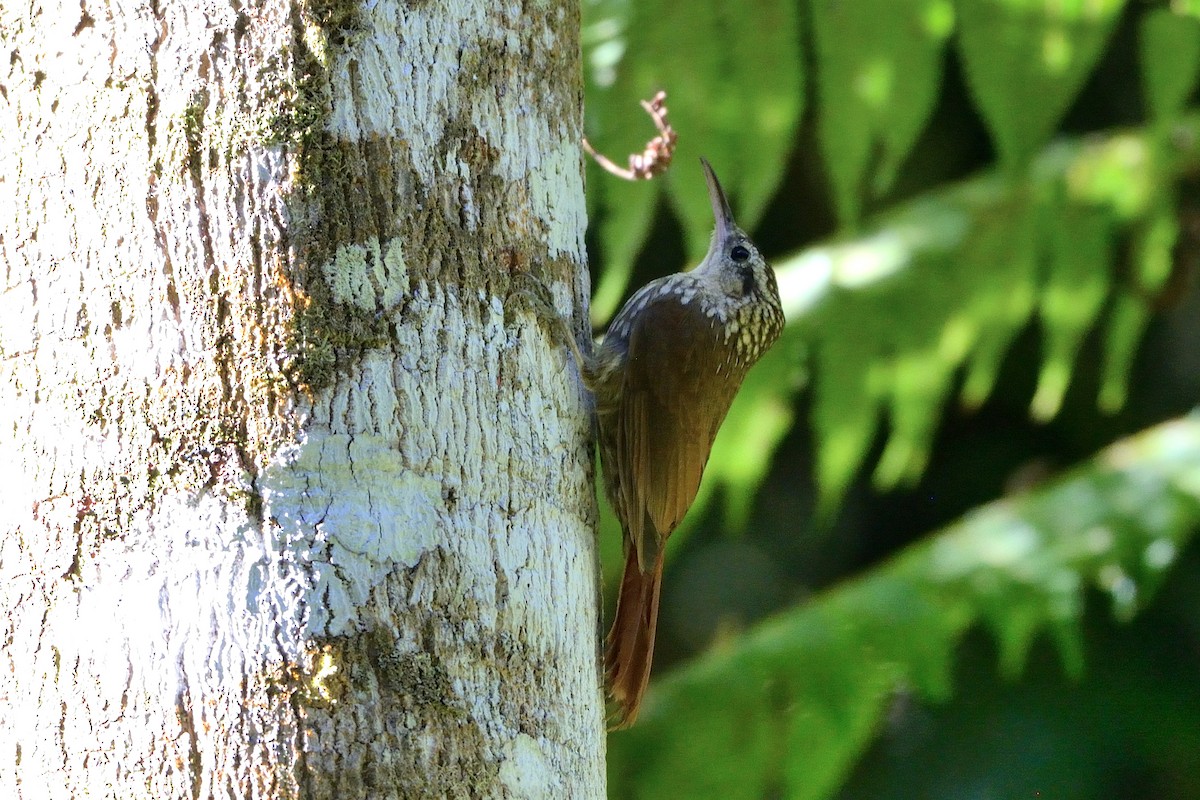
(1153, 245)
(1128, 321)
(878, 72)
(716, 95)
(1080, 250)
(723, 105)
(1152, 256)
(947, 281)
(710, 58)
(889, 334)
(1170, 50)
(1005, 298)
(788, 708)
(1025, 60)
(622, 227)
(848, 400)
(620, 212)
(1189, 7)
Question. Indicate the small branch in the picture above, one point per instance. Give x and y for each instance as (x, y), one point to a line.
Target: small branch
(659, 151)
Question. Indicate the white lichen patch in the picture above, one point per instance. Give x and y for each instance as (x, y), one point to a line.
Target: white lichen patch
(368, 275)
(566, 220)
(352, 510)
(524, 771)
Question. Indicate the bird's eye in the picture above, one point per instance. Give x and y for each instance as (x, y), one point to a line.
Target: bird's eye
(739, 253)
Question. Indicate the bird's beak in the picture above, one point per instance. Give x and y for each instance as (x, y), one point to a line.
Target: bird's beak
(720, 205)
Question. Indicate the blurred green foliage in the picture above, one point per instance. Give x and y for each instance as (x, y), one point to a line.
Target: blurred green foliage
(788, 706)
(971, 205)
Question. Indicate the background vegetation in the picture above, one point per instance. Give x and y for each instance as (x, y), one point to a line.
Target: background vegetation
(942, 550)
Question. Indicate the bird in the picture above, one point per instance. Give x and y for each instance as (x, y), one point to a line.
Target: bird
(663, 378)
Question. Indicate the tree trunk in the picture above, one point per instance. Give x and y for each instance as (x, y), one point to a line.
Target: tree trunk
(296, 505)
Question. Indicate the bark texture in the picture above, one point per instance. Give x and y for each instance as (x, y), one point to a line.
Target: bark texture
(295, 504)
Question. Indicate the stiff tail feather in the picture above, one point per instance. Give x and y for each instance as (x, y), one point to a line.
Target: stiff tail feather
(630, 648)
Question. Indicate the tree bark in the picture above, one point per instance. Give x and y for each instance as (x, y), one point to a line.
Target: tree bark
(296, 505)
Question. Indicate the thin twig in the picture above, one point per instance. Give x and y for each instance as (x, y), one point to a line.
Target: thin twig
(659, 151)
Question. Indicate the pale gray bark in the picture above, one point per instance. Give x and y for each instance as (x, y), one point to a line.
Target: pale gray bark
(294, 504)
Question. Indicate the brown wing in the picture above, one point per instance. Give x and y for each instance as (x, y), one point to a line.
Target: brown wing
(673, 401)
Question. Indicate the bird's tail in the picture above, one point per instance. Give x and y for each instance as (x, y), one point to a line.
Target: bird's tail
(631, 639)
